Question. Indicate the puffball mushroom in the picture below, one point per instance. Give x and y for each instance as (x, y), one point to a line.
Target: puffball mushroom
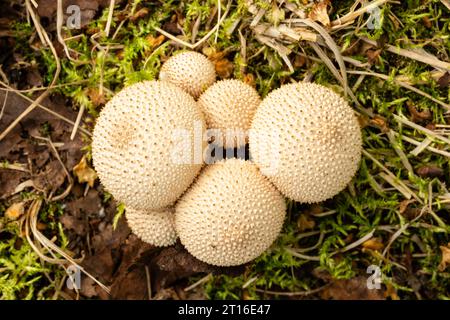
(306, 139)
(189, 70)
(230, 215)
(133, 144)
(230, 105)
(154, 227)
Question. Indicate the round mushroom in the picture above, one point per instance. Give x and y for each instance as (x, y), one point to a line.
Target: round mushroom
(189, 70)
(307, 140)
(229, 105)
(230, 215)
(135, 144)
(154, 227)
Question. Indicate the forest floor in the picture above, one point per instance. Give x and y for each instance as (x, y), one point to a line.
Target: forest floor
(392, 223)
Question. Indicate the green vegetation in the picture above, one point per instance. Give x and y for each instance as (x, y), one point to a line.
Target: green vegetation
(373, 202)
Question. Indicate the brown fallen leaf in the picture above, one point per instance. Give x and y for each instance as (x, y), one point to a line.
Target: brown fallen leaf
(224, 68)
(427, 23)
(391, 292)
(445, 260)
(15, 211)
(380, 122)
(444, 81)
(373, 244)
(304, 222)
(139, 14)
(319, 13)
(154, 42)
(84, 173)
(373, 56)
(249, 79)
(430, 171)
(416, 115)
(404, 205)
(352, 289)
(96, 97)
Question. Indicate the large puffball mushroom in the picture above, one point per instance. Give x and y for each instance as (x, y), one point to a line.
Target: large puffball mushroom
(306, 139)
(189, 70)
(230, 215)
(153, 227)
(229, 105)
(143, 144)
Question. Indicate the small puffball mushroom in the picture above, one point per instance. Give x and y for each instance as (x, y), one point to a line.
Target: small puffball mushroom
(229, 105)
(154, 227)
(307, 140)
(189, 70)
(230, 215)
(134, 141)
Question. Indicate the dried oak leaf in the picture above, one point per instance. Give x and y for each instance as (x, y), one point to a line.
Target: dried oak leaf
(84, 173)
(445, 260)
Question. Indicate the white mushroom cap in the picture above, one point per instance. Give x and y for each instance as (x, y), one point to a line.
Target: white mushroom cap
(230, 105)
(230, 215)
(154, 227)
(133, 144)
(189, 70)
(307, 141)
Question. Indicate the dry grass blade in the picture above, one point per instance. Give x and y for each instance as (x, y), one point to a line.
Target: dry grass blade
(427, 59)
(401, 84)
(293, 293)
(420, 128)
(446, 3)
(332, 46)
(31, 229)
(351, 16)
(18, 92)
(206, 37)
(392, 178)
(199, 282)
(110, 17)
(55, 77)
(400, 153)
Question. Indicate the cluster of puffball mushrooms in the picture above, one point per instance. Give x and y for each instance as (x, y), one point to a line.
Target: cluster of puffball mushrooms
(304, 142)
